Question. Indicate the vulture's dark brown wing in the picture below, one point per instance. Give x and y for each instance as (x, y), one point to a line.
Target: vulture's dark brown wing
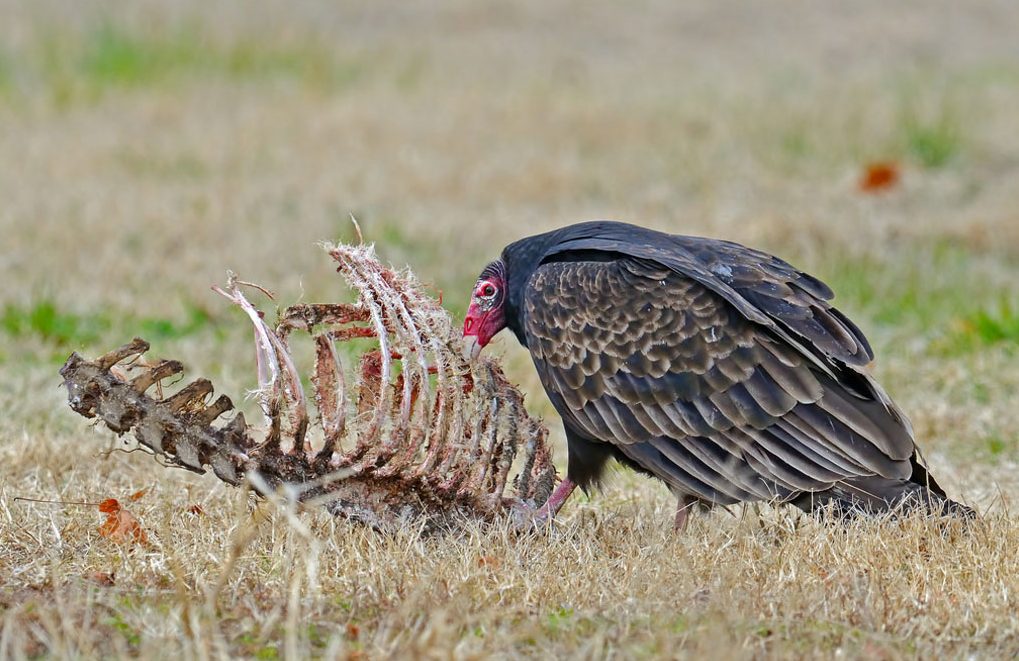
(761, 287)
(694, 389)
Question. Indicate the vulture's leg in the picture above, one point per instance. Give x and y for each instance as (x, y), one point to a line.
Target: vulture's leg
(587, 461)
(555, 501)
(683, 507)
(533, 519)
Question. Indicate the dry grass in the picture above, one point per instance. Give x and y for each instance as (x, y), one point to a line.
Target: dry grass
(150, 147)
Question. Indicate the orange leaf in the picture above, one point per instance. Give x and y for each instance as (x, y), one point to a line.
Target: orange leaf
(109, 506)
(880, 176)
(137, 495)
(123, 527)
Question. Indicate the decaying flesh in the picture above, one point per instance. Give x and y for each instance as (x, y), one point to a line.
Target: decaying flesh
(412, 433)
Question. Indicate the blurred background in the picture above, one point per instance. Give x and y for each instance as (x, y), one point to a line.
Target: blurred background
(146, 147)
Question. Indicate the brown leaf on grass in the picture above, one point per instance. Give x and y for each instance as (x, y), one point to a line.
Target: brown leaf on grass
(489, 561)
(102, 578)
(197, 510)
(120, 526)
(137, 495)
(880, 176)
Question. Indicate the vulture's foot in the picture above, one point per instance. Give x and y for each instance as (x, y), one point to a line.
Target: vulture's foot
(527, 518)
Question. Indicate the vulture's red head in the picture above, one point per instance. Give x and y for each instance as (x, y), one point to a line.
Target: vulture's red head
(486, 314)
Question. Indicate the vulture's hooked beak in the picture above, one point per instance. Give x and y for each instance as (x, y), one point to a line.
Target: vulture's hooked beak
(470, 347)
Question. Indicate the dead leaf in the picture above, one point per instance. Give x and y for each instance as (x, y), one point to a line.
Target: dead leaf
(489, 561)
(109, 506)
(197, 510)
(120, 526)
(105, 579)
(880, 176)
(137, 495)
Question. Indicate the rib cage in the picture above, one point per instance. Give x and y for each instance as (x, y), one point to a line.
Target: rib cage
(412, 432)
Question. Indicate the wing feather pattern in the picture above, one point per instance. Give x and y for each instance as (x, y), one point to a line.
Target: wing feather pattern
(761, 287)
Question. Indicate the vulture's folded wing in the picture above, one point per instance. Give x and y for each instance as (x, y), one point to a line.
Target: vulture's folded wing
(634, 353)
(763, 288)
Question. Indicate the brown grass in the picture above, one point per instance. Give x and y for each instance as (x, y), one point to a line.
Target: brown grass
(149, 147)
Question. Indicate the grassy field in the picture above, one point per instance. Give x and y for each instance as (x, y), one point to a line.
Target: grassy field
(149, 146)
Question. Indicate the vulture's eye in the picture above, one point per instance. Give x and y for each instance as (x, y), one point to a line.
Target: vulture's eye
(487, 290)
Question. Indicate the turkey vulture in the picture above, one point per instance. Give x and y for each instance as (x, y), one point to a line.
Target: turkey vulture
(719, 369)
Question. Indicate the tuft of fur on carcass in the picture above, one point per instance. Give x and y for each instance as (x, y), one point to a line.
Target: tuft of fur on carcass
(404, 432)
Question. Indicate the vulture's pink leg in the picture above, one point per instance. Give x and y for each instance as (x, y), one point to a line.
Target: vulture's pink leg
(555, 502)
(683, 507)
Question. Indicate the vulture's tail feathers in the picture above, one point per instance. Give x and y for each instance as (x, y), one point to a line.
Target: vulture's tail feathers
(878, 495)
